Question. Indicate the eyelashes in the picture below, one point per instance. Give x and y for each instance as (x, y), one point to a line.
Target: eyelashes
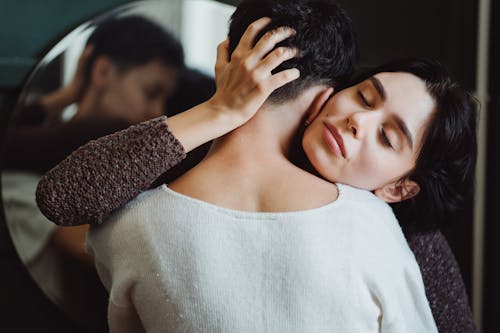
(384, 138)
(363, 99)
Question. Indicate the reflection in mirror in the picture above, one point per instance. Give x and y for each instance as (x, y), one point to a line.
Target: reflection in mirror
(120, 68)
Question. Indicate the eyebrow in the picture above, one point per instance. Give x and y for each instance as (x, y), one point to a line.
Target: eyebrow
(403, 128)
(379, 87)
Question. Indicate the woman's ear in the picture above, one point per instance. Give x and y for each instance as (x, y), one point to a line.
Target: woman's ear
(101, 72)
(317, 105)
(398, 191)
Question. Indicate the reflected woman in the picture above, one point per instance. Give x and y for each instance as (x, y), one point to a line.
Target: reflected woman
(237, 225)
(126, 74)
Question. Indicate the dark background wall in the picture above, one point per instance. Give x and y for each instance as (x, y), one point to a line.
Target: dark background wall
(492, 248)
(441, 29)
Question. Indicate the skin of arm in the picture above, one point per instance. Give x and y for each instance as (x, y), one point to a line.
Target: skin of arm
(72, 241)
(102, 176)
(79, 191)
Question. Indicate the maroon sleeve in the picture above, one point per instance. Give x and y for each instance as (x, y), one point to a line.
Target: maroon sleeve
(443, 282)
(106, 173)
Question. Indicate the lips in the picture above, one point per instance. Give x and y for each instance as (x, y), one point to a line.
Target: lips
(334, 139)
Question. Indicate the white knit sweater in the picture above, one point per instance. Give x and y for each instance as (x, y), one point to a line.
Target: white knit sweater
(176, 264)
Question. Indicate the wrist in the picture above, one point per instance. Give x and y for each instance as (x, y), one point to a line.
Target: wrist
(223, 115)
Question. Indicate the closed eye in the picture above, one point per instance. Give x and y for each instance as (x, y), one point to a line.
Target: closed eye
(385, 139)
(363, 99)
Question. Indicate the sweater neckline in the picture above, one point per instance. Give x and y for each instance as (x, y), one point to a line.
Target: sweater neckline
(258, 215)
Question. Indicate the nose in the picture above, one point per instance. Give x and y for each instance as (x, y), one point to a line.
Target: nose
(362, 122)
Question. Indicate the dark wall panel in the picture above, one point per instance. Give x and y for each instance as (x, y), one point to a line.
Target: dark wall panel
(491, 304)
(441, 29)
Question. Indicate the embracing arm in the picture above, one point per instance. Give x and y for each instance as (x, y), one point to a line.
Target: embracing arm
(106, 173)
(102, 175)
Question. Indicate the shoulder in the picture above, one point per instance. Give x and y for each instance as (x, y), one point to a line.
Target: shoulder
(387, 264)
(376, 229)
(364, 200)
(124, 229)
(369, 211)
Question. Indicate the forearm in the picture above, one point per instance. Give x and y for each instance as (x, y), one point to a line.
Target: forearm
(104, 174)
(201, 124)
(56, 101)
(71, 241)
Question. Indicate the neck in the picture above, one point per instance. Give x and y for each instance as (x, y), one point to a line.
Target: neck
(87, 105)
(248, 169)
(268, 135)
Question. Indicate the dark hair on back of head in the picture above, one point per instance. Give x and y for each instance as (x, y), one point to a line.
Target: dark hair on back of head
(446, 163)
(324, 37)
(132, 41)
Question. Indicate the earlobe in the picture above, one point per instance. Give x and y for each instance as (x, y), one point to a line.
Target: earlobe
(317, 105)
(398, 191)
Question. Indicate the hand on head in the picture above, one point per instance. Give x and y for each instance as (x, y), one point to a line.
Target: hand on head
(245, 81)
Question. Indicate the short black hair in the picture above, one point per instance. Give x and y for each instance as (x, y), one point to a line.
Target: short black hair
(132, 41)
(325, 38)
(445, 167)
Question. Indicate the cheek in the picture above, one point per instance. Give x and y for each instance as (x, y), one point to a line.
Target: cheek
(312, 140)
(119, 95)
(318, 154)
(369, 170)
(137, 104)
(135, 96)
(377, 167)
(338, 105)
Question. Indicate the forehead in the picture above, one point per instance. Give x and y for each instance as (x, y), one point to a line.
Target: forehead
(407, 96)
(153, 70)
(153, 73)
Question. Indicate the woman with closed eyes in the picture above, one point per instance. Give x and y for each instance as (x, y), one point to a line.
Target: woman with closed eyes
(403, 134)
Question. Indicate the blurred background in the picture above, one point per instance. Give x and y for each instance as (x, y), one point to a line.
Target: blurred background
(462, 34)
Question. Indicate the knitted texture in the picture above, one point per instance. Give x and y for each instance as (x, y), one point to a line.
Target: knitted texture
(184, 265)
(104, 174)
(443, 282)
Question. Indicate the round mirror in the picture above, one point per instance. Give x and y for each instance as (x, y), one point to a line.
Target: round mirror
(83, 89)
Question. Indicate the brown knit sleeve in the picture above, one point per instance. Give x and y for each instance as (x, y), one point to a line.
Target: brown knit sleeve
(443, 282)
(106, 173)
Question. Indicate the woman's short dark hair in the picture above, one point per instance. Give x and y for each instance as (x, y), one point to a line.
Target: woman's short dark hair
(446, 163)
(132, 41)
(324, 37)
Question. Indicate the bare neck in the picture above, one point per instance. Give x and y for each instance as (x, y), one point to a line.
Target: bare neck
(248, 168)
(268, 135)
